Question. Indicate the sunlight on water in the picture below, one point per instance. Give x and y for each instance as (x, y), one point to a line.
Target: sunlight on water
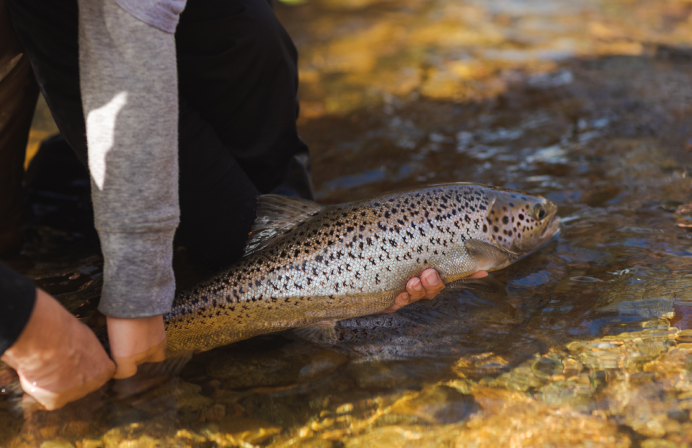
(587, 342)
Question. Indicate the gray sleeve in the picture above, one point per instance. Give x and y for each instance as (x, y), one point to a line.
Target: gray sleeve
(161, 14)
(129, 90)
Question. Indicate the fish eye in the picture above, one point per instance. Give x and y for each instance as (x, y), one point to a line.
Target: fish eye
(539, 212)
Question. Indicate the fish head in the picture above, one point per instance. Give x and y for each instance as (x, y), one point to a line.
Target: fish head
(521, 223)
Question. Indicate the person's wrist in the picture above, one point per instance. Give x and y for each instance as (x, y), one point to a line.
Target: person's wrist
(134, 341)
(33, 347)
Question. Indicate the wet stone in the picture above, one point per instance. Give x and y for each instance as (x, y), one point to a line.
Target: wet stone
(496, 400)
(302, 442)
(392, 374)
(214, 413)
(321, 364)
(232, 432)
(57, 443)
(484, 364)
(624, 351)
(640, 407)
(571, 367)
(536, 425)
(90, 443)
(264, 370)
(436, 404)
(677, 361)
(573, 393)
(522, 378)
(404, 436)
(547, 366)
(661, 443)
(181, 396)
(684, 337)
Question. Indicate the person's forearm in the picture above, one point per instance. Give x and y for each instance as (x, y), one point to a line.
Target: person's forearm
(129, 92)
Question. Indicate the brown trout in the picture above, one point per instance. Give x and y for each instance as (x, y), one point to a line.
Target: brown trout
(306, 263)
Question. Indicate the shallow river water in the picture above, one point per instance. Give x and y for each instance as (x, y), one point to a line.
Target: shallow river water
(588, 342)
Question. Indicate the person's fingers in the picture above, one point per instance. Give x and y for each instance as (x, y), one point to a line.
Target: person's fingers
(426, 287)
(415, 289)
(52, 400)
(57, 358)
(401, 300)
(431, 283)
(126, 366)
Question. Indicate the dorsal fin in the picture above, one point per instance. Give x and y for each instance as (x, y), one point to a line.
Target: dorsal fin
(277, 215)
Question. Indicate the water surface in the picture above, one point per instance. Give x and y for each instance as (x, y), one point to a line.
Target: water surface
(587, 342)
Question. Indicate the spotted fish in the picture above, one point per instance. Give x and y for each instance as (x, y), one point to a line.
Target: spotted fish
(306, 263)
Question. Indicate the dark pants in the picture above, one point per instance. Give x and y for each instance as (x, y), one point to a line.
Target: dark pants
(18, 94)
(238, 81)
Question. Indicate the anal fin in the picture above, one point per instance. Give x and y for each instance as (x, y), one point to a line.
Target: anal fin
(322, 332)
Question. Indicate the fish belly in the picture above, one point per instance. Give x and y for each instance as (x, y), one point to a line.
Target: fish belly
(222, 325)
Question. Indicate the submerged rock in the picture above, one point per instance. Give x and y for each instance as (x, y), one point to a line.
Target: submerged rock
(536, 425)
(263, 370)
(392, 374)
(233, 432)
(483, 364)
(624, 351)
(321, 364)
(404, 436)
(57, 443)
(436, 404)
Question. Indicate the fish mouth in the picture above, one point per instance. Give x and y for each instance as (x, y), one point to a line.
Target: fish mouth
(551, 230)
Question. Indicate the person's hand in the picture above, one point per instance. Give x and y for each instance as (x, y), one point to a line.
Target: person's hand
(58, 359)
(426, 287)
(134, 342)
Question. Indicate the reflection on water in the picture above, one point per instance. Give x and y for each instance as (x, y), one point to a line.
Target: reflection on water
(586, 343)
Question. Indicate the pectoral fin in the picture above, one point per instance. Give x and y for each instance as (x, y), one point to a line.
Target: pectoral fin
(487, 256)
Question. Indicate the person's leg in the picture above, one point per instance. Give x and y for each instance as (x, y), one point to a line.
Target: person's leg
(18, 95)
(47, 30)
(238, 68)
(217, 200)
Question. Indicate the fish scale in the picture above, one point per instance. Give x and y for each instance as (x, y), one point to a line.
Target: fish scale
(308, 263)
